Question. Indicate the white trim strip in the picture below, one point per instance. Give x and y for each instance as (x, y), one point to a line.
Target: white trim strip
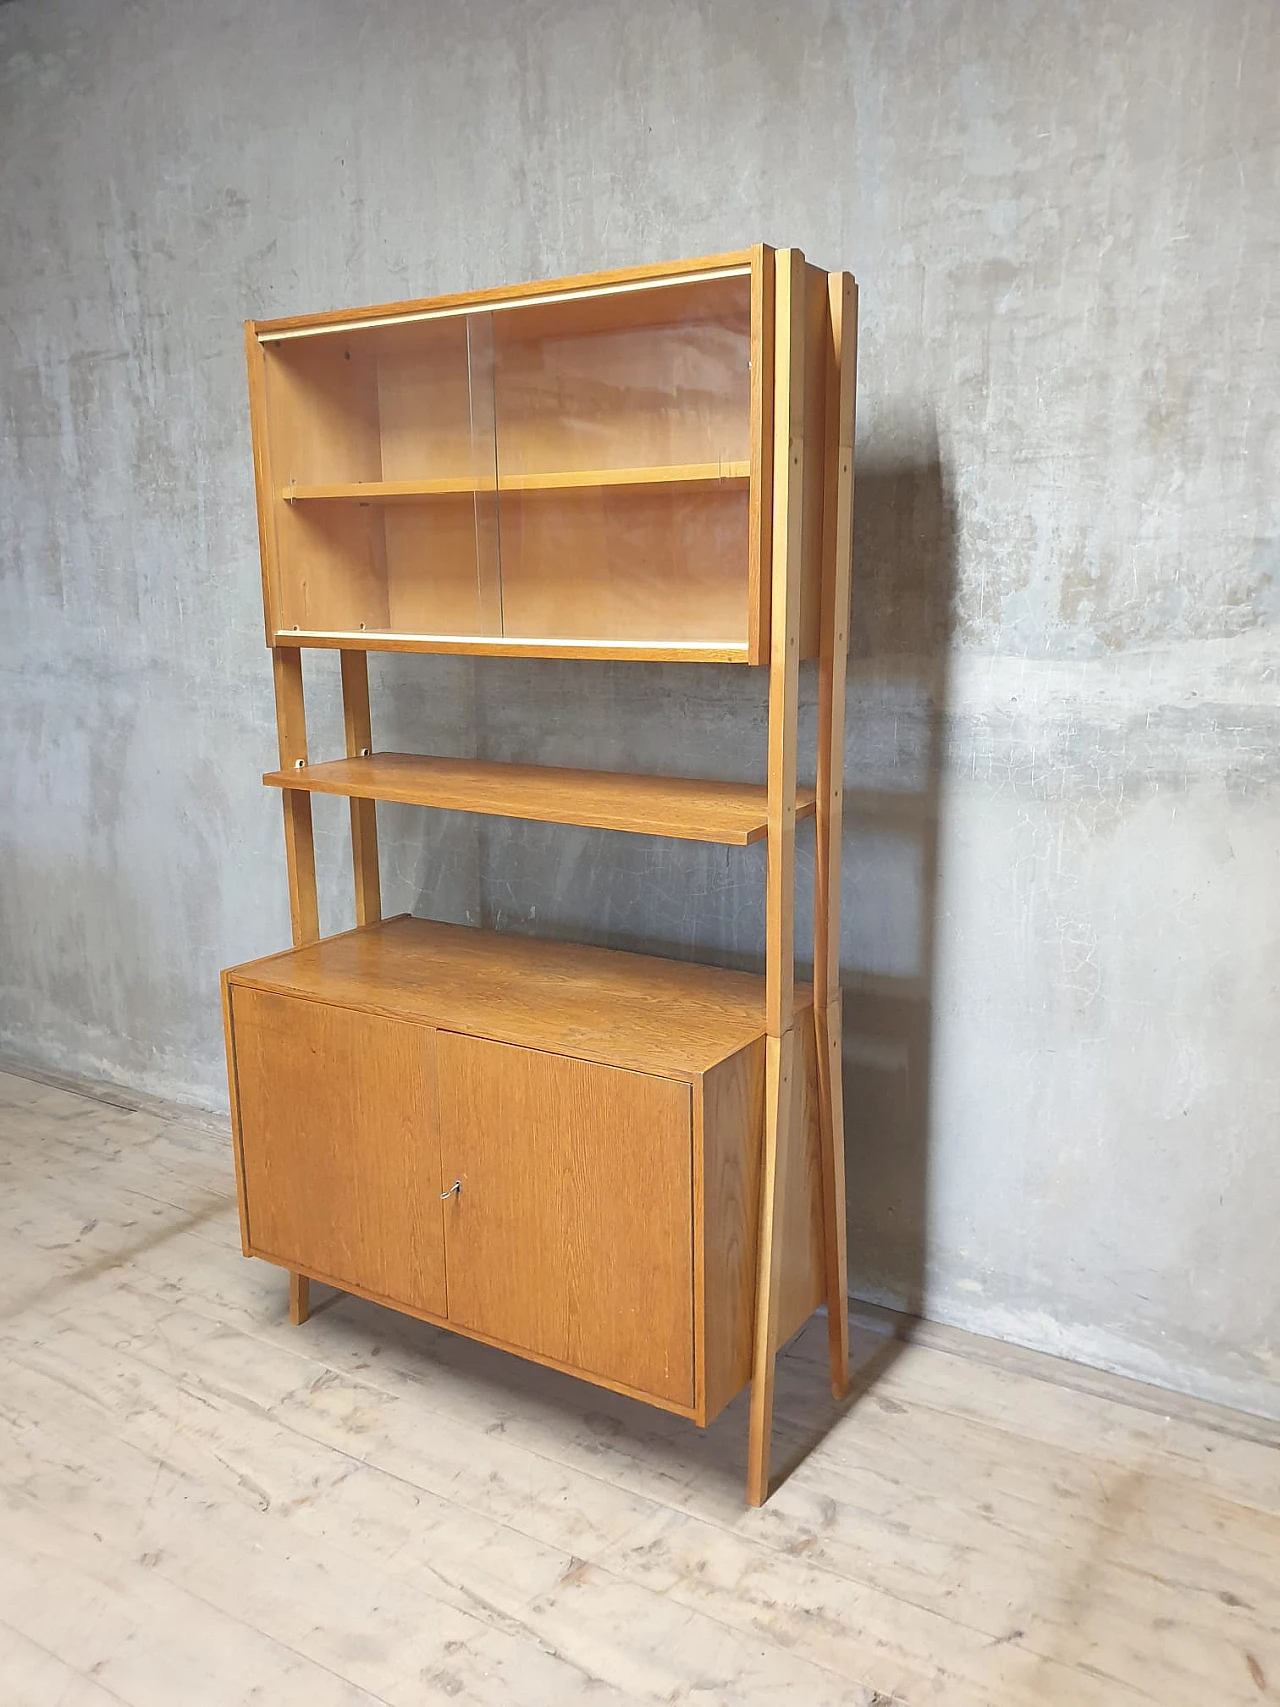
(585, 291)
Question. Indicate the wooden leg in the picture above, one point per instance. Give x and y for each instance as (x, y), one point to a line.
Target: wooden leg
(299, 843)
(299, 1298)
(779, 1124)
(827, 1019)
(364, 813)
(300, 856)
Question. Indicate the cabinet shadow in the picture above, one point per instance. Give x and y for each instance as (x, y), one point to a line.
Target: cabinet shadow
(692, 900)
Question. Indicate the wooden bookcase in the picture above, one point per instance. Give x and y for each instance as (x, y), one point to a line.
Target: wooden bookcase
(628, 1168)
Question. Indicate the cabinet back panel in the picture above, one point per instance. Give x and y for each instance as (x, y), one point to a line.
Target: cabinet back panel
(573, 1231)
(322, 411)
(322, 414)
(333, 566)
(425, 409)
(627, 564)
(339, 1161)
(573, 395)
(438, 581)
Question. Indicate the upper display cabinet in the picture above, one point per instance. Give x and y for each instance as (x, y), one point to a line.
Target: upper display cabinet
(581, 468)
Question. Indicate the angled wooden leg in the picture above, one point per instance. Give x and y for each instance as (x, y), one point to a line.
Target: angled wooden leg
(779, 1125)
(299, 1298)
(827, 1019)
(300, 859)
(781, 1085)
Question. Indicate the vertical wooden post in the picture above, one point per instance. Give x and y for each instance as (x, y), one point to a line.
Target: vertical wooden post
(300, 852)
(760, 514)
(837, 552)
(299, 843)
(364, 813)
(784, 679)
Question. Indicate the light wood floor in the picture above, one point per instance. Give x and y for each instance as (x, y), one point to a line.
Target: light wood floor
(202, 1505)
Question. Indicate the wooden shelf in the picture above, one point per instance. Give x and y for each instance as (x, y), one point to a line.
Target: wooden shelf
(631, 1010)
(686, 476)
(727, 812)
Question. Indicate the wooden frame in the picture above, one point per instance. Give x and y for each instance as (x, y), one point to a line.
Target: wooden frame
(782, 1079)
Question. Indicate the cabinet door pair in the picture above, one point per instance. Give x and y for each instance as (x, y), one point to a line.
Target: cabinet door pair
(536, 1200)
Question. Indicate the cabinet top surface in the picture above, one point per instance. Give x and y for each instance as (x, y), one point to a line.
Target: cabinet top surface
(583, 284)
(658, 1016)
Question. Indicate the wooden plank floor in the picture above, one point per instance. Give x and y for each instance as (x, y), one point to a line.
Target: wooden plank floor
(201, 1504)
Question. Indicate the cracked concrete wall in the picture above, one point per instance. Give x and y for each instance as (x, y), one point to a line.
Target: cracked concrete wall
(1061, 900)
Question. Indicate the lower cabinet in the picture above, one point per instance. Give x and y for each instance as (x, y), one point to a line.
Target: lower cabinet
(596, 1217)
(569, 1235)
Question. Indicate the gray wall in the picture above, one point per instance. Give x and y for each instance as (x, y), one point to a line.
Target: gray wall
(1062, 899)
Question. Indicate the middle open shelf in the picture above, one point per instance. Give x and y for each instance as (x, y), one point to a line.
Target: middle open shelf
(734, 813)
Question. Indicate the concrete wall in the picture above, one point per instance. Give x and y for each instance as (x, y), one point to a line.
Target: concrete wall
(1062, 899)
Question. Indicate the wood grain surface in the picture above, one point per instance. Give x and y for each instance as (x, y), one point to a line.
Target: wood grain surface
(688, 808)
(571, 1231)
(670, 1017)
(338, 1153)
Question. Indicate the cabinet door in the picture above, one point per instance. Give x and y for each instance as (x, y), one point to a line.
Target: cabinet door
(624, 445)
(572, 1234)
(340, 1161)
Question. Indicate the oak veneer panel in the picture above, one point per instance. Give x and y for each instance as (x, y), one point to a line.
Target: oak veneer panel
(573, 394)
(571, 1235)
(442, 566)
(732, 1125)
(338, 1153)
(802, 1284)
(693, 810)
(632, 1010)
(732, 1118)
(635, 563)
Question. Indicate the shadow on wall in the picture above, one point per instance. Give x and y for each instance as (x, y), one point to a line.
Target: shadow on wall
(903, 584)
(701, 901)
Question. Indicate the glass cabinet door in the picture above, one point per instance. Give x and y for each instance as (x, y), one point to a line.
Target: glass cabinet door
(624, 463)
(573, 470)
(383, 455)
